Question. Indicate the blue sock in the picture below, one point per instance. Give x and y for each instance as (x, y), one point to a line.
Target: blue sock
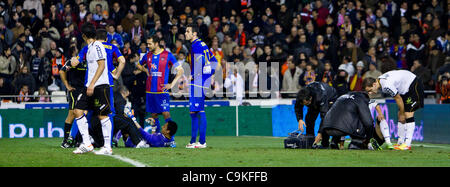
(194, 127)
(203, 125)
(158, 126)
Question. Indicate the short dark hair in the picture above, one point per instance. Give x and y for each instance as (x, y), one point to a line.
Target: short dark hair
(88, 30)
(194, 29)
(172, 127)
(303, 94)
(101, 34)
(368, 82)
(156, 39)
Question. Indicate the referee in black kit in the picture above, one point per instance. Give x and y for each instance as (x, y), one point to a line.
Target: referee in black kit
(318, 97)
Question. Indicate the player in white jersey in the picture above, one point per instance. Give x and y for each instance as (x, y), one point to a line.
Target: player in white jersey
(407, 91)
(96, 95)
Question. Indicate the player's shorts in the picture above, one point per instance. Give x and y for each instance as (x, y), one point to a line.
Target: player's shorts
(414, 98)
(99, 102)
(157, 103)
(72, 97)
(196, 100)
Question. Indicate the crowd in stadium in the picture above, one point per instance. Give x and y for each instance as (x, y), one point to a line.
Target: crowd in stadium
(339, 42)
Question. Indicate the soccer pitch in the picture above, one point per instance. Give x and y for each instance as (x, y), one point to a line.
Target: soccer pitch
(246, 151)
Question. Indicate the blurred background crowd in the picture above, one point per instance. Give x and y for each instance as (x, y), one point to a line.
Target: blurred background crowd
(336, 41)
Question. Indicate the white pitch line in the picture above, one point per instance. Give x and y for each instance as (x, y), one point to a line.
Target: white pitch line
(128, 160)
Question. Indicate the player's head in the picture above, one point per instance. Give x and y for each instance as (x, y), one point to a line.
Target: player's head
(101, 34)
(371, 85)
(169, 128)
(153, 43)
(192, 32)
(304, 96)
(88, 31)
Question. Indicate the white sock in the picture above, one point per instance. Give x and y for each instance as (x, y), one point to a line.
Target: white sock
(384, 127)
(106, 130)
(83, 127)
(401, 133)
(409, 132)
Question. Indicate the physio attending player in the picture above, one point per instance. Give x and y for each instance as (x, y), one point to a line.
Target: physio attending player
(407, 91)
(96, 94)
(318, 97)
(350, 115)
(203, 64)
(159, 63)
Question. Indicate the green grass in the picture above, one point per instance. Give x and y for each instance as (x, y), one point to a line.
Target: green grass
(221, 152)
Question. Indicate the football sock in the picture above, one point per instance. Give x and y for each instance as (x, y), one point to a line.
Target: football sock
(384, 127)
(409, 132)
(83, 128)
(67, 128)
(106, 130)
(158, 126)
(194, 127)
(401, 133)
(203, 125)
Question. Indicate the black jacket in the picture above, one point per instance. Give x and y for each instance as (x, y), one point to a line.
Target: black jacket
(322, 94)
(350, 114)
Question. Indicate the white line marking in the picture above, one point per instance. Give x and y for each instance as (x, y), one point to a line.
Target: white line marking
(128, 160)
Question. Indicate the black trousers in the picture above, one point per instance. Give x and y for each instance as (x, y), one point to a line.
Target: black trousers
(120, 122)
(310, 120)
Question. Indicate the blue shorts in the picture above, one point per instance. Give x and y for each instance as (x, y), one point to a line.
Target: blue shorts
(196, 100)
(157, 103)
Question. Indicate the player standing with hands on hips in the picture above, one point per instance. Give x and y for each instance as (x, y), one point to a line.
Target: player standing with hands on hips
(407, 91)
(96, 94)
(203, 64)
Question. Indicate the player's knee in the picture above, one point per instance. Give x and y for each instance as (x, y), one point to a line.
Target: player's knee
(78, 113)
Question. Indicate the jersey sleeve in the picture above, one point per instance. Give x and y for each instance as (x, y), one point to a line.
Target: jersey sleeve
(388, 88)
(172, 60)
(100, 53)
(82, 54)
(116, 52)
(143, 60)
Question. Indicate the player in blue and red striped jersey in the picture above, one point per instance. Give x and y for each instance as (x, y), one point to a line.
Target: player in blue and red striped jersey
(159, 62)
(203, 65)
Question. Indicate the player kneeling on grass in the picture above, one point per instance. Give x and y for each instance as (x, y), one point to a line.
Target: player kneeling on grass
(161, 139)
(350, 115)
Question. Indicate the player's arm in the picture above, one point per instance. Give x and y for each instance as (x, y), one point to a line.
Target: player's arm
(140, 66)
(401, 108)
(63, 75)
(180, 72)
(380, 115)
(121, 61)
(299, 113)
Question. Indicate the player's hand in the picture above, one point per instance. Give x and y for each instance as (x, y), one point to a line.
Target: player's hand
(301, 123)
(380, 117)
(115, 77)
(74, 62)
(70, 88)
(90, 91)
(402, 118)
(167, 87)
(150, 121)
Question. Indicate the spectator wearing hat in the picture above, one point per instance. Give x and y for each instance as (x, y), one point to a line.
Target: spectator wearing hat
(127, 22)
(347, 65)
(214, 28)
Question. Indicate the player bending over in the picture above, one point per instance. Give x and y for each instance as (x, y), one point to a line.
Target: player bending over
(407, 91)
